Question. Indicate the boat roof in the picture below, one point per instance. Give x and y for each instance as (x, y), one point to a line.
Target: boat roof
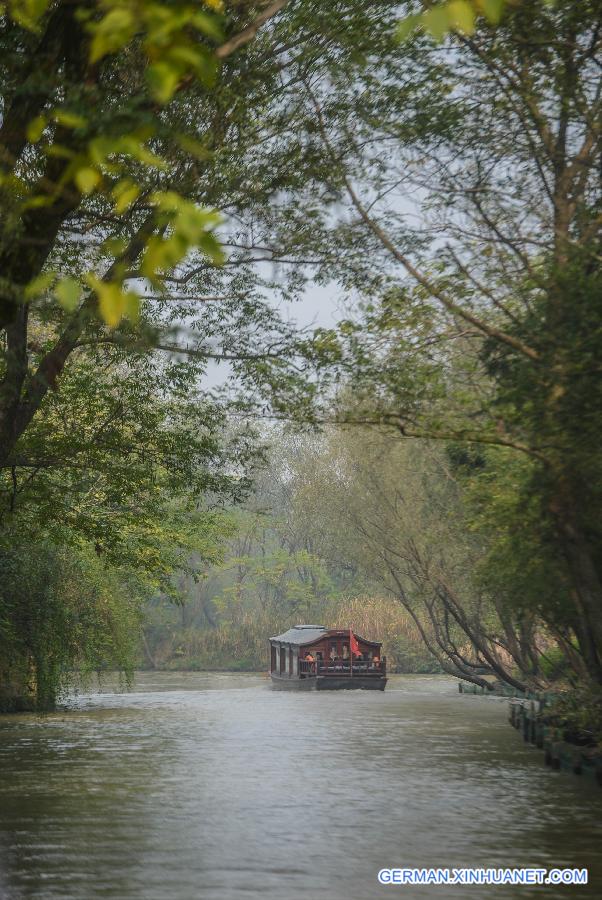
(301, 634)
(307, 634)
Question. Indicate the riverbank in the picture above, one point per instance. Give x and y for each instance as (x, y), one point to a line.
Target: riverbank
(532, 714)
(530, 720)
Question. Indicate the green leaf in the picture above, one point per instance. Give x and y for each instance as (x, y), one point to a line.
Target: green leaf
(35, 129)
(112, 33)
(406, 26)
(113, 302)
(39, 201)
(125, 193)
(162, 254)
(38, 285)
(132, 145)
(163, 80)
(132, 306)
(211, 246)
(194, 147)
(112, 305)
(115, 246)
(59, 151)
(209, 25)
(28, 13)
(206, 67)
(184, 55)
(462, 16)
(437, 22)
(492, 9)
(68, 291)
(69, 119)
(86, 179)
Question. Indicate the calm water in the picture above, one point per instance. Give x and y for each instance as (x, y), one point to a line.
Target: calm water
(213, 786)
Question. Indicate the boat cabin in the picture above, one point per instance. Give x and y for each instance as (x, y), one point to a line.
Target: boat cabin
(309, 657)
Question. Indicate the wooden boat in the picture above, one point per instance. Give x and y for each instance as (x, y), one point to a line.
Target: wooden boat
(314, 658)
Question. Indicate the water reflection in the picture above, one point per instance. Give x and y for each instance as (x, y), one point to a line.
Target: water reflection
(213, 786)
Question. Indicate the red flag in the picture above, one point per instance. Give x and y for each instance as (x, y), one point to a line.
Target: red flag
(354, 647)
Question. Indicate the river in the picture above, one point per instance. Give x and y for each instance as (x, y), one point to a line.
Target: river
(213, 786)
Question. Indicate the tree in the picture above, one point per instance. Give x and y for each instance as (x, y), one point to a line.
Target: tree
(481, 323)
(398, 511)
(119, 141)
(479, 326)
(286, 562)
(73, 182)
(125, 457)
(153, 164)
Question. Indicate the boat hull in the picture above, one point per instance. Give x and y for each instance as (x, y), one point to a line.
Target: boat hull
(330, 683)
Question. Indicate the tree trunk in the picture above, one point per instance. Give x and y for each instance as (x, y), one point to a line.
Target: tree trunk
(587, 588)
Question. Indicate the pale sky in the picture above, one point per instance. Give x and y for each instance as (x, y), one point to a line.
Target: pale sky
(321, 307)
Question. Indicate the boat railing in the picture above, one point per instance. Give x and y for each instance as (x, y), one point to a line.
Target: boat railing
(360, 667)
(307, 667)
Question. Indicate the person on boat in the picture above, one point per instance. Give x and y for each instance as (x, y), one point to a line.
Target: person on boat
(309, 657)
(376, 661)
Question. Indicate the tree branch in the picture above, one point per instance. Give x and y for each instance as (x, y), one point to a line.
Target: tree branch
(247, 34)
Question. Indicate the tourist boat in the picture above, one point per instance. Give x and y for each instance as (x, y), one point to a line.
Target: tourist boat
(314, 658)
